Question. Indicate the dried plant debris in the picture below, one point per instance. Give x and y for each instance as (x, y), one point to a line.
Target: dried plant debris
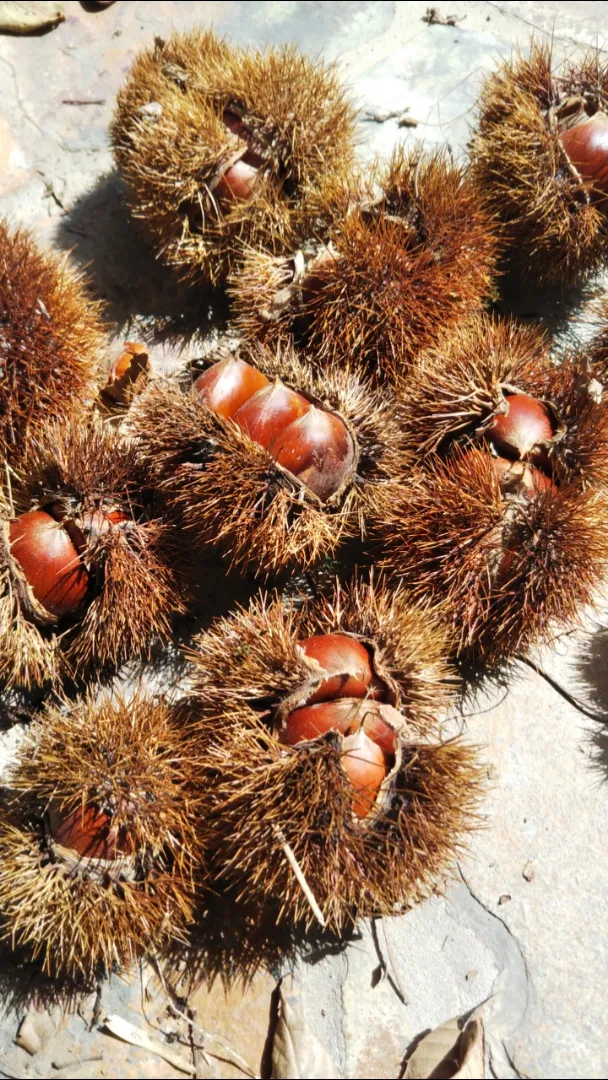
(297, 1054)
(134, 1036)
(434, 18)
(450, 1052)
(25, 18)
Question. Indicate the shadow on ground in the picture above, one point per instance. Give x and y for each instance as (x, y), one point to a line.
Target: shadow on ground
(593, 675)
(141, 293)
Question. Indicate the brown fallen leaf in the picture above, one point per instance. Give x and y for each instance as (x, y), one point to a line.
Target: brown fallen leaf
(449, 1053)
(434, 18)
(30, 18)
(134, 1036)
(296, 1053)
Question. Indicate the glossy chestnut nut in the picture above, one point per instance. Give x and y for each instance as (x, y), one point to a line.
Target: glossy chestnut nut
(586, 145)
(89, 832)
(318, 449)
(50, 562)
(344, 715)
(237, 183)
(364, 764)
(521, 477)
(265, 415)
(520, 431)
(227, 385)
(132, 356)
(348, 665)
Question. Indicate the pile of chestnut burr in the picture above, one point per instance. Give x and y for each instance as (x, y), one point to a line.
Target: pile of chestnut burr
(404, 488)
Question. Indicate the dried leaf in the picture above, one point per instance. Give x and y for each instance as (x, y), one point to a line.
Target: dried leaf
(23, 18)
(448, 1053)
(134, 1036)
(296, 1053)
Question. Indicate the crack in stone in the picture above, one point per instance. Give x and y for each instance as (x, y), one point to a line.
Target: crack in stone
(513, 937)
(58, 142)
(500, 1056)
(343, 1048)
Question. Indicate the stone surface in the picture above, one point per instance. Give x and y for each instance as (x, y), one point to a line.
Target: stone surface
(539, 959)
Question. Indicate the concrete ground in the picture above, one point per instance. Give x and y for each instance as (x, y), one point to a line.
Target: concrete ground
(522, 925)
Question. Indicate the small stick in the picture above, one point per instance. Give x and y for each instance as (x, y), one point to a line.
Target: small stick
(297, 869)
(173, 1000)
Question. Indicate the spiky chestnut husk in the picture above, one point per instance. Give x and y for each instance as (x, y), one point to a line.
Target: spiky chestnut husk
(50, 337)
(554, 219)
(84, 472)
(232, 496)
(510, 568)
(387, 277)
(174, 149)
(249, 672)
(460, 389)
(117, 778)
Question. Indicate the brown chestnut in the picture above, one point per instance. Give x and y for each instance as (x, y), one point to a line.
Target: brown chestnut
(318, 449)
(520, 431)
(345, 715)
(269, 411)
(227, 385)
(521, 477)
(237, 183)
(348, 665)
(586, 145)
(364, 764)
(89, 832)
(49, 561)
(133, 355)
(313, 720)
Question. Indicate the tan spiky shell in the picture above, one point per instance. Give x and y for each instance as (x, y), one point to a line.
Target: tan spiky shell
(554, 229)
(131, 759)
(387, 277)
(232, 496)
(510, 574)
(85, 466)
(50, 338)
(172, 146)
(457, 387)
(264, 795)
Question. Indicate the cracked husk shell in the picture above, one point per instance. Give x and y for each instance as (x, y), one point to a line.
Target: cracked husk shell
(173, 147)
(86, 467)
(553, 224)
(229, 493)
(388, 274)
(458, 387)
(511, 572)
(83, 916)
(264, 795)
